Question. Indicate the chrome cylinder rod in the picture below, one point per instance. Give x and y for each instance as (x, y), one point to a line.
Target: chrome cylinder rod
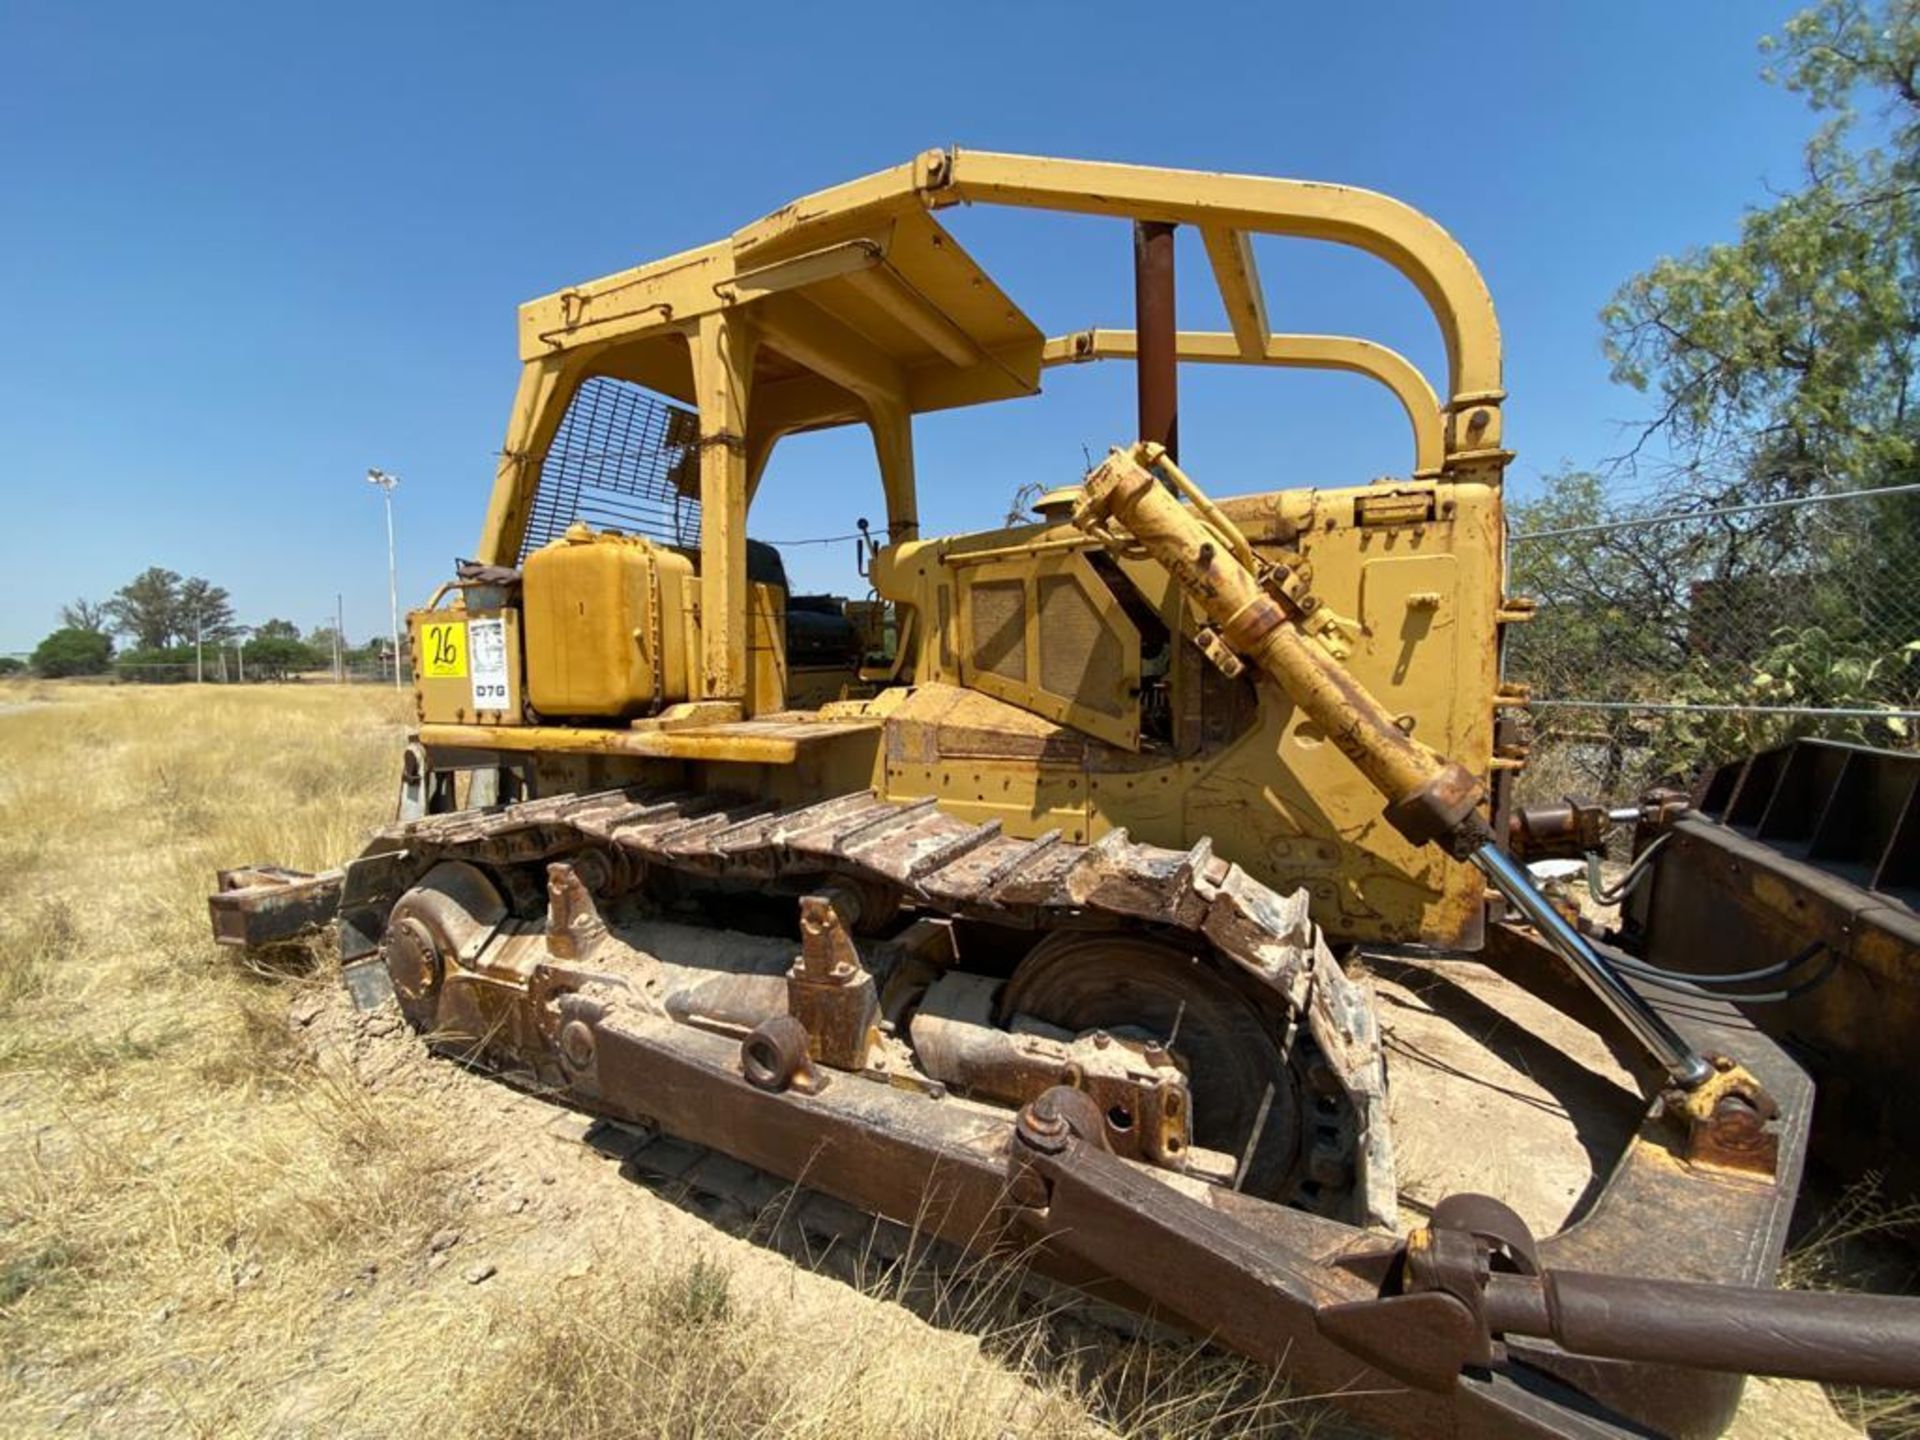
(1680, 1060)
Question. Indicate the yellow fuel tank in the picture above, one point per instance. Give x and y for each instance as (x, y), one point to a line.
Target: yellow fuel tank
(606, 620)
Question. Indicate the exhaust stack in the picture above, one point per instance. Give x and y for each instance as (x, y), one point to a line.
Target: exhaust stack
(1155, 326)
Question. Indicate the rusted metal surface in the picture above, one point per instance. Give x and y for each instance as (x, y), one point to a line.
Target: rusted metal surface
(1138, 1093)
(1730, 1121)
(1842, 1338)
(1663, 1215)
(1372, 1259)
(1447, 805)
(1468, 1327)
(1318, 1299)
(949, 866)
(829, 991)
(574, 926)
(1849, 810)
(1246, 1098)
(775, 1057)
(1481, 1254)
(1780, 865)
(260, 905)
(1568, 828)
(1578, 827)
(1157, 367)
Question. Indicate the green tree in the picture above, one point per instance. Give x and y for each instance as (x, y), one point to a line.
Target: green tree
(158, 608)
(159, 665)
(1783, 363)
(11, 665)
(276, 630)
(203, 611)
(73, 652)
(1786, 359)
(147, 608)
(278, 655)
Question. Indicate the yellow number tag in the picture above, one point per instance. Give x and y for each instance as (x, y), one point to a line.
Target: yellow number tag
(446, 647)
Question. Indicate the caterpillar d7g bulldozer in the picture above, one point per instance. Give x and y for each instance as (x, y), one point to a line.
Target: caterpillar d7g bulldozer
(1034, 899)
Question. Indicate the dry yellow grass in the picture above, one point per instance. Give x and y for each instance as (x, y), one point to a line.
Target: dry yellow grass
(207, 1227)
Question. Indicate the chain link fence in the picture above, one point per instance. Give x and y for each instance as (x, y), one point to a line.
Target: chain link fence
(235, 671)
(1670, 636)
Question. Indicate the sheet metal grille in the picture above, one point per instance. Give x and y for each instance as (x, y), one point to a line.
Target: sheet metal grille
(1000, 627)
(617, 462)
(1080, 654)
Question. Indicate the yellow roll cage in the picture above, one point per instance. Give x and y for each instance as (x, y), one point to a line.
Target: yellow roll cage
(855, 305)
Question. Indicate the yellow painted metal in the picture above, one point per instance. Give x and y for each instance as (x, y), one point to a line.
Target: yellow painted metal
(1301, 352)
(1417, 624)
(855, 305)
(767, 679)
(604, 625)
(1238, 276)
(987, 759)
(849, 257)
(1255, 625)
(881, 313)
(814, 337)
(723, 347)
(653, 298)
(896, 295)
(1377, 224)
(892, 426)
(445, 669)
(768, 741)
(1223, 206)
(546, 384)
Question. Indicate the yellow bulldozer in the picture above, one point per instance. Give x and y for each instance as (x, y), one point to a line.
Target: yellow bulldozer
(1033, 897)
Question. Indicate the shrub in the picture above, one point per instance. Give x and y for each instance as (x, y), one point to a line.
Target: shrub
(73, 652)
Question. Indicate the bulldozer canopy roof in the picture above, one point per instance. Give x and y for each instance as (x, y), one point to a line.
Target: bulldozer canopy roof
(858, 296)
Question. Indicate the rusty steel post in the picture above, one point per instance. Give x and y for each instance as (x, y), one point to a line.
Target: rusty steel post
(1838, 1339)
(1156, 326)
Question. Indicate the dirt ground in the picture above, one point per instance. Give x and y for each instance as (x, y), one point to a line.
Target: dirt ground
(231, 1204)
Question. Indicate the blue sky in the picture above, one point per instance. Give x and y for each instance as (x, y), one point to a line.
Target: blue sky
(249, 251)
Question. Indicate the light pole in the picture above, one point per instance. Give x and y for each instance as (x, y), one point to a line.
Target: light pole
(386, 483)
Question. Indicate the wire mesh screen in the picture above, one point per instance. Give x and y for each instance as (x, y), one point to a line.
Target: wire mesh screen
(1672, 636)
(617, 462)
